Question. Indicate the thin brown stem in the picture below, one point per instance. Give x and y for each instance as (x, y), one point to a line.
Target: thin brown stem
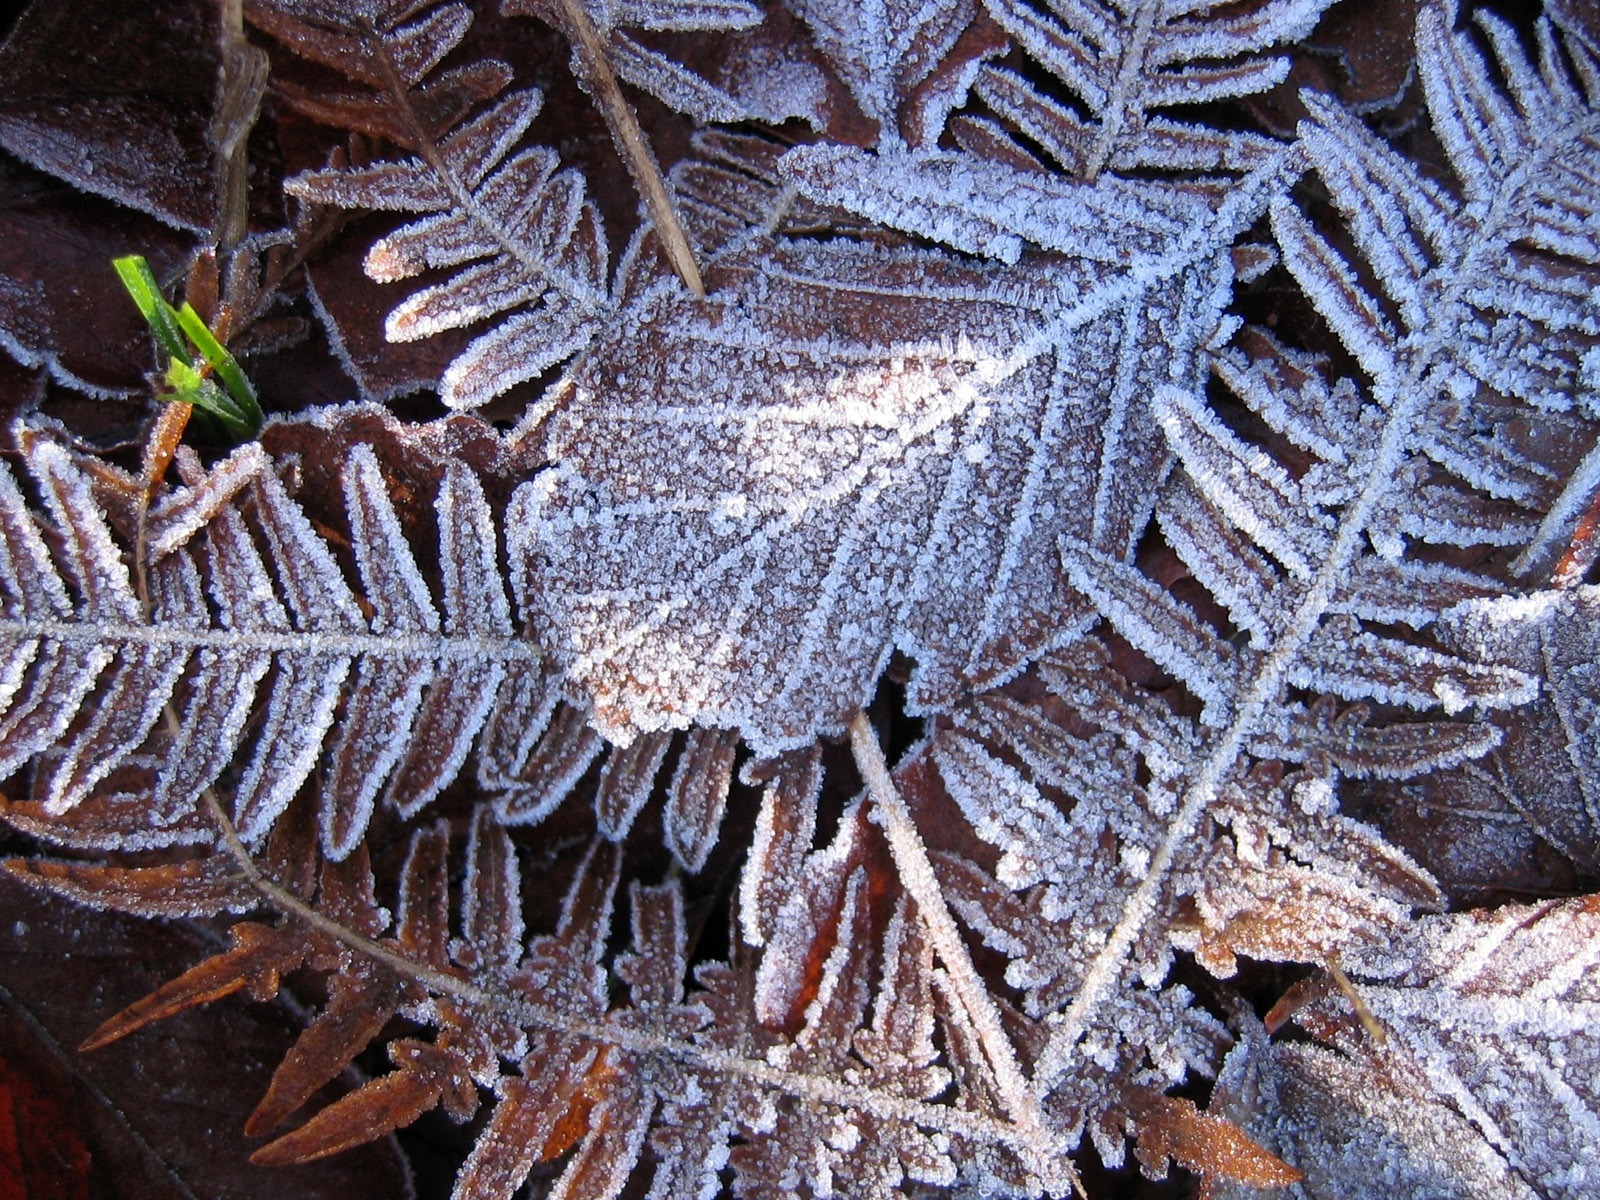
(917, 875)
(244, 83)
(161, 443)
(601, 83)
(1363, 1014)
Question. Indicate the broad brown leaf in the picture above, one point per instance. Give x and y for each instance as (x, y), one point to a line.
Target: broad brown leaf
(843, 452)
(116, 99)
(56, 247)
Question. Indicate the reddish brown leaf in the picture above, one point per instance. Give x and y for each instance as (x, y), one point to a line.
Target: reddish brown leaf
(424, 917)
(375, 1108)
(492, 927)
(626, 781)
(784, 830)
(563, 754)
(699, 794)
(1173, 1128)
(538, 1118)
(808, 927)
(191, 888)
(56, 248)
(116, 99)
(259, 956)
(360, 1002)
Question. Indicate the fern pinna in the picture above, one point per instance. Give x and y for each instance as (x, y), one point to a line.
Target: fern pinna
(929, 401)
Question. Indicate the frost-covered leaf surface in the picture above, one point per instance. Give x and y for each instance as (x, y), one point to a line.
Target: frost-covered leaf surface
(132, 130)
(617, 25)
(1216, 670)
(239, 611)
(1549, 763)
(533, 245)
(1126, 60)
(786, 482)
(1354, 1129)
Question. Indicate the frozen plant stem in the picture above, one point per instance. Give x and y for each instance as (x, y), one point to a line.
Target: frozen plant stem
(916, 873)
(596, 74)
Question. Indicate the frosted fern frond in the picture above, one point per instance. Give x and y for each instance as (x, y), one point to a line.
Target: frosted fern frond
(1463, 280)
(392, 51)
(995, 210)
(1126, 60)
(1152, 1036)
(525, 243)
(892, 1051)
(1274, 874)
(1024, 781)
(1330, 538)
(1339, 658)
(901, 60)
(249, 613)
(666, 1080)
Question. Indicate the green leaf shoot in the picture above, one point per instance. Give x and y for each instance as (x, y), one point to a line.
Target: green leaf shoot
(195, 355)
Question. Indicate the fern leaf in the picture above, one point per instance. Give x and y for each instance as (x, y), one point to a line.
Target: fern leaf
(534, 246)
(626, 782)
(698, 795)
(1444, 1123)
(199, 887)
(1168, 631)
(827, 1147)
(1004, 808)
(1327, 737)
(784, 830)
(388, 44)
(995, 210)
(1253, 492)
(1346, 662)
(637, 63)
(291, 636)
(906, 65)
(359, 1004)
(530, 786)
(1416, 376)
(1223, 558)
(1123, 61)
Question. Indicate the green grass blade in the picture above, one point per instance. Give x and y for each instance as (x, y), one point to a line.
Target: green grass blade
(224, 365)
(141, 283)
